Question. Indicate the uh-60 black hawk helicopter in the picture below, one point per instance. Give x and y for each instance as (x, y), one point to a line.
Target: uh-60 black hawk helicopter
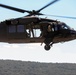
(33, 29)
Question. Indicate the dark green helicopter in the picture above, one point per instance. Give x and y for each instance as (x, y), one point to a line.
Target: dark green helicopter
(33, 29)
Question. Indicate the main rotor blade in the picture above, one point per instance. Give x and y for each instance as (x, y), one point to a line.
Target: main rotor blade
(15, 9)
(69, 17)
(47, 5)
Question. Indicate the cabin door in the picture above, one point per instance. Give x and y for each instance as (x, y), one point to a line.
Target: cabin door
(16, 32)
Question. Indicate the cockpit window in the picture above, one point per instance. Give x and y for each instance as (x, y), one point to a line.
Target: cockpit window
(64, 26)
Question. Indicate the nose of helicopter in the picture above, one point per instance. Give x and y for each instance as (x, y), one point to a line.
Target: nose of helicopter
(73, 33)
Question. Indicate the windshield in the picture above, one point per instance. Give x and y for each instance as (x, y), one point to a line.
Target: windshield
(64, 26)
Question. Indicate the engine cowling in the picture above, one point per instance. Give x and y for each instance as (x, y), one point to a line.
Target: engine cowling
(11, 22)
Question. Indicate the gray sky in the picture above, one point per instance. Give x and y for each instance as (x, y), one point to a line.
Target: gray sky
(65, 52)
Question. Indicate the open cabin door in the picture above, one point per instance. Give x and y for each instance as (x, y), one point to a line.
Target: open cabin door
(20, 31)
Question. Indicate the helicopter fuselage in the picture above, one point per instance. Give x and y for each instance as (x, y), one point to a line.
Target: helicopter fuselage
(30, 30)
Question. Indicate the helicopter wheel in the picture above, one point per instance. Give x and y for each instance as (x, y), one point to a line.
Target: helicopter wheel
(47, 47)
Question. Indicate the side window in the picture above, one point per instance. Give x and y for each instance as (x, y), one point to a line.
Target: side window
(12, 29)
(20, 28)
(16, 28)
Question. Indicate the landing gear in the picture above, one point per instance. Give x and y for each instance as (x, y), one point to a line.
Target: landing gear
(48, 43)
(47, 47)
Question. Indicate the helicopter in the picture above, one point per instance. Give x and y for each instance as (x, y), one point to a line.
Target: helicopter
(34, 29)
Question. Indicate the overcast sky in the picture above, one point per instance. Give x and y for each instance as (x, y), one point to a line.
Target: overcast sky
(62, 52)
